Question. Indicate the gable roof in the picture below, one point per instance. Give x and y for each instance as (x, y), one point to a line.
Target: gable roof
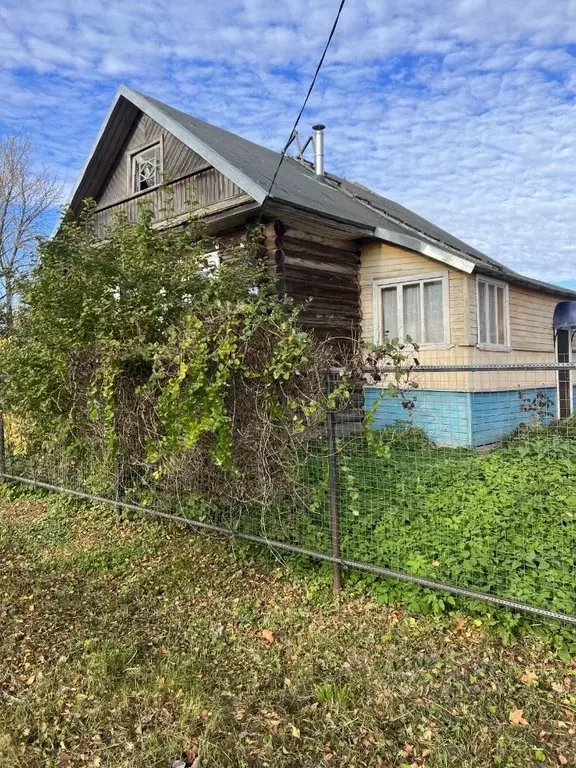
(252, 168)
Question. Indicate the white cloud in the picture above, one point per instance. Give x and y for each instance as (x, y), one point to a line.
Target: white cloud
(464, 111)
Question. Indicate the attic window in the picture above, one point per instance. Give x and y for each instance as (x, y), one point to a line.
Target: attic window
(146, 168)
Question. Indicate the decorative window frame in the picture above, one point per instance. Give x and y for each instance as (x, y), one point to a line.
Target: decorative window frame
(159, 142)
(390, 282)
(506, 347)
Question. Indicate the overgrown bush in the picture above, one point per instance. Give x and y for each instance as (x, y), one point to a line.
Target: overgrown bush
(131, 358)
(502, 523)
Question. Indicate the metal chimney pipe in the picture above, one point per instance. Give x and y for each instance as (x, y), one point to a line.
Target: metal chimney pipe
(319, 150)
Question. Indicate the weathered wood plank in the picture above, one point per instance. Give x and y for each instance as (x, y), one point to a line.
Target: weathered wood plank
(178, 159)
(312, 227)
(176, 200)
(321, 266)
(314, 288)
(330, 278)
(297, 245)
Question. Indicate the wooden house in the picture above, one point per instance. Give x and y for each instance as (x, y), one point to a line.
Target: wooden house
(359, 263)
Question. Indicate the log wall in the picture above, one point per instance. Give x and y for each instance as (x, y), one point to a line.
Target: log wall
(320, 274)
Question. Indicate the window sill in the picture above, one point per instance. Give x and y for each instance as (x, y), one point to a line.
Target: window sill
(494, 347)
(443, 346)
(426, 347)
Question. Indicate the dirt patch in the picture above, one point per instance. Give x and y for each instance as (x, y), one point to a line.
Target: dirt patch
(22, 512)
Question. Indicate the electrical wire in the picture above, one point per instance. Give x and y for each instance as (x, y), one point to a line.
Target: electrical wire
(303, 107)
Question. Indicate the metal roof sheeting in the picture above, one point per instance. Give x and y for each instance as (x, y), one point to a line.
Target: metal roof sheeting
(252, 168)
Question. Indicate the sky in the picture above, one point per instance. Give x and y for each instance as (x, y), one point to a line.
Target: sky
(462, 110)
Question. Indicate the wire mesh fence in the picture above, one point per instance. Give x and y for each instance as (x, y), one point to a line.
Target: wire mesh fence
(464, 480)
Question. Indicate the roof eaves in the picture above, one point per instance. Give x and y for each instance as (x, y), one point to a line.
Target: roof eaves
(426, 249)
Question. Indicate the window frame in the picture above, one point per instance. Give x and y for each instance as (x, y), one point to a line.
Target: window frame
(159, 142)
(400, 281)
(505, 347)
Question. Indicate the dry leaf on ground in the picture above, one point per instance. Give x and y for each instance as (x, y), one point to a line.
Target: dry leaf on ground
(516, 717)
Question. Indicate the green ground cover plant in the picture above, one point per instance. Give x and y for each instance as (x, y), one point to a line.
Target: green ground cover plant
(501, 522)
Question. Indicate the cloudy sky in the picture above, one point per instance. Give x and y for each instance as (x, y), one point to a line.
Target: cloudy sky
(463, 110)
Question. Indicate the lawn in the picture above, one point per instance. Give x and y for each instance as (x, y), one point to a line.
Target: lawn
(139, 643)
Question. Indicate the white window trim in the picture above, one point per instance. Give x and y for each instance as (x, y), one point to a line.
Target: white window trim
(570, 373)
(132, 154)
(388, 282)
(483, 344)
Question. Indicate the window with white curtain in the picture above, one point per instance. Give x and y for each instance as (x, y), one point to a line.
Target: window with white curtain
(414, 308)
(492, 313)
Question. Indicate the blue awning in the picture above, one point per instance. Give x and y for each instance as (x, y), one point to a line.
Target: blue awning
(565, 315)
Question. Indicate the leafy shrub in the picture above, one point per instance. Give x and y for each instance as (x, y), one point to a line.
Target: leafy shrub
(565, 428)
(502, 523)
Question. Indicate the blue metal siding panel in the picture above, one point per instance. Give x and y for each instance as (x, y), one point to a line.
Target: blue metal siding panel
(444, 416)
(463, 418)
(496, 414)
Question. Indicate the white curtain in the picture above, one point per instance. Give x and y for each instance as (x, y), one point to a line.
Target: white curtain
(412, 321)
(390, 313)
(433, 313)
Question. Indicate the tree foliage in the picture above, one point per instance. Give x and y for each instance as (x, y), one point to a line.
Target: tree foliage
(132, 347)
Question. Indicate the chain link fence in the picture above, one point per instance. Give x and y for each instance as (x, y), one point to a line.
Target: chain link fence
(464, 481)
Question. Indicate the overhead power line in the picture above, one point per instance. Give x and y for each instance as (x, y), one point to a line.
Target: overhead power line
(310, 89)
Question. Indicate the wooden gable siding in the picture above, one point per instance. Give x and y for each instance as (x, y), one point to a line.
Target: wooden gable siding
(190, 180)
(174, 200)
(320, 274)
(179, 160)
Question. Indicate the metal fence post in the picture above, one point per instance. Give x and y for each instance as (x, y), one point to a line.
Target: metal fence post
(2, 446)
(118, 484)
(333, 490)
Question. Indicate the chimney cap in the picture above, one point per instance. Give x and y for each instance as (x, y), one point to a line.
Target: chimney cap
(318, 127)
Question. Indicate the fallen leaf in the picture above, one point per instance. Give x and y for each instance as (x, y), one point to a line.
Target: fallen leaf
(408, 748)
(30, 680)
(274, 725)
(295, 732)
(528, 677)
(558, 687)
(562, 760)
(268, 635)
(516, 717)
(287, 682)
(435, 564)
(459, 623)
(427, 735)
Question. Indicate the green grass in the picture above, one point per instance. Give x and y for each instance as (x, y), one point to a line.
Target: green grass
(136, 643)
